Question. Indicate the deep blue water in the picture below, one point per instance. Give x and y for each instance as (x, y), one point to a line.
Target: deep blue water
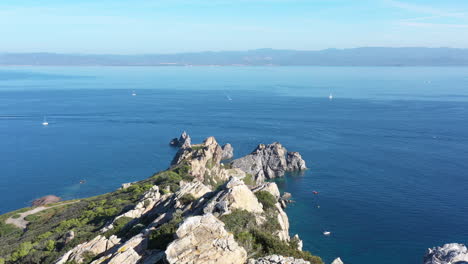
(389, 155)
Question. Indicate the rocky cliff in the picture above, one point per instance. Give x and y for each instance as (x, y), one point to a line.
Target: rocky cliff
(447, 254)
(198, 211)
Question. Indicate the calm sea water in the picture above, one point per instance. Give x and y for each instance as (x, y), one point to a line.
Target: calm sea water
(388, 155)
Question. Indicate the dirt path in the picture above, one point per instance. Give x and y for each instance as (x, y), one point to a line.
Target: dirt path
(22, 223)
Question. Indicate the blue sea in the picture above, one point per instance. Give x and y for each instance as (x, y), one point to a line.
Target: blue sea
(388, 155)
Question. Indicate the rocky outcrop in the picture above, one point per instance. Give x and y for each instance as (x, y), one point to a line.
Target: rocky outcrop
(183, 141)
(447, 254)
(337, 261)
(201, 158)
(130, 252)
(48, 199)
(234, 195)
(277, 259)
(98, 245)
(203, 240)
(269, 161)
(228, 152)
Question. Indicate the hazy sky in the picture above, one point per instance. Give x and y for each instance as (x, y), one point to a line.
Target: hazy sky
(167, 26)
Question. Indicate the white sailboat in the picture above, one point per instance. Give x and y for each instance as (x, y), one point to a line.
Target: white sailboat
(133, 93)
(330, 96)
(44, 122)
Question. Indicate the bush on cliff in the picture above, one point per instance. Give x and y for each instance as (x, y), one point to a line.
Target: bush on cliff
(266, 199)
(165, 234)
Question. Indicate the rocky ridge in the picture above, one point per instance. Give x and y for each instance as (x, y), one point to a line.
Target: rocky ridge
(196, 212)
(453, 253)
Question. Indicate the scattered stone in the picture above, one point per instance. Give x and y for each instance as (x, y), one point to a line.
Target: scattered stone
(453, 253)
(48, 199)
(203, 240)
(69, 236)
(228, 152)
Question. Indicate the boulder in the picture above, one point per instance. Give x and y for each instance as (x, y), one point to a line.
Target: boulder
(203, 240)
(269, 161)
(48, 199)
(453, 253)
(228, 152)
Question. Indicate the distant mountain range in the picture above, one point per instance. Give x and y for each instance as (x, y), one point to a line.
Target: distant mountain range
(371, 56)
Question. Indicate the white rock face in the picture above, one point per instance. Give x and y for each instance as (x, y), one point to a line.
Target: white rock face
(203, 240)
(283, 220)
(337, 261)
(447, 254)
(277, 259)
(98, 245)
(236, 195)
(228, 152)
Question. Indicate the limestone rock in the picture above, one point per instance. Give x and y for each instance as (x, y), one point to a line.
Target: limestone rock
(234, 195)
(270, 187)
(277, 259)
(283, 233)
(203, 240)
(228, 152)
(183, 141)
(130, 252)
(295, 162)
(300, 244)
(337, 261)
(269, 161)
(48, 199)
(98, 245)
(201, 158)
(453, 253)
(69, 236)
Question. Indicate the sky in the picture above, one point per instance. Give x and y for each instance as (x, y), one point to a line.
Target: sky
(173, 26)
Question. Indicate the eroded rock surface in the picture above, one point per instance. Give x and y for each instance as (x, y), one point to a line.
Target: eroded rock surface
(269, 161)
(447, 254)
(48, 199)
(337, 261)
(98, 245)
(277, 259)
(228, 152)
(183, 141)
(203, 240)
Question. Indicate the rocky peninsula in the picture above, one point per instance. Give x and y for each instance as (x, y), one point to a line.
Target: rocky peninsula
(205, 208)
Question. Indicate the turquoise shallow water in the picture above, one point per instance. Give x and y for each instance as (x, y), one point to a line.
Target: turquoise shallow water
(388, 155)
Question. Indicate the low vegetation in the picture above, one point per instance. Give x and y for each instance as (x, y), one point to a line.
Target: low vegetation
(165, 234)
(261, 240)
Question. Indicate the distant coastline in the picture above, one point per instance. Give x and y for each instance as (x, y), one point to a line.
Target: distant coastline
(370, 56)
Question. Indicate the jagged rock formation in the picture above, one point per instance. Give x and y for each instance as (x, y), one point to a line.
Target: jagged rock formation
(203, 239)
(276, 259)
(183, 141)
(447, 254)
(228, 152)
(269, 161)
(195, 198)
(337, 261)
(98, 245)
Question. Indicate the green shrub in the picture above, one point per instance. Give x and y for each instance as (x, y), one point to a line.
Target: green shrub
(238, 221)
(120, 227)
(186, 199)
(2, 261)
(267, 199)
(50, 245)
(6, 229)
(22, 251)
(162, 236)
(249, 179)
(44, 236)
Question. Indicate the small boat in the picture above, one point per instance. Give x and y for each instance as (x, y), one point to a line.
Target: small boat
(45, 123)
(326, 233)
(82, 182)
(330, 96)
(229, 98)
(133, 93)
(315, 192)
